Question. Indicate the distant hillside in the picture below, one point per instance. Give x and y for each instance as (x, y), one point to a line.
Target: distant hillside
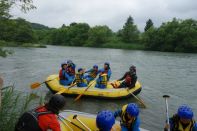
(37, 26)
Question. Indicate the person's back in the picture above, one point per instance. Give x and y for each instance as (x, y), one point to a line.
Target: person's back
(48, 121)
(43, 118)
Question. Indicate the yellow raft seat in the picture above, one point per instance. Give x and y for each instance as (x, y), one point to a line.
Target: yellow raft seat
(69, 121)
(109, 93)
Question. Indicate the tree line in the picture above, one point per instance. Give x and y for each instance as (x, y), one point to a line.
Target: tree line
(173, 36)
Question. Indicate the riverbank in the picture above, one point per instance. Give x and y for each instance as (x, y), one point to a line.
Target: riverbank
(17, 44)
(115, 45)
(121, 45)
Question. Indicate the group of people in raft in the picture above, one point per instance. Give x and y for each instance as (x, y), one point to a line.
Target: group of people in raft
(47, 118)
(82, 78)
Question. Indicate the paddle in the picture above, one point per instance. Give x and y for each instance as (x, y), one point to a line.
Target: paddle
(37, 84)
(75, 117)
(167, 115)
(140, 100)
(80, 95)
(66, 89)
(71, 122)
(62, 120)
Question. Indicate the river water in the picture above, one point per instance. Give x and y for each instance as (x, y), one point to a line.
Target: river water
(160, 73)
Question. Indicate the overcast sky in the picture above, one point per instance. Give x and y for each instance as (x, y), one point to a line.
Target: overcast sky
(113, 13)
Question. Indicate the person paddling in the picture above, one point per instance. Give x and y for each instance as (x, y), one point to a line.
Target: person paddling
(129, 79)
(129, 117)
(43, 118)
(80, 79)
(182, 120)
(71, 69)
(92, 73)
(64, 77)
(104, 76)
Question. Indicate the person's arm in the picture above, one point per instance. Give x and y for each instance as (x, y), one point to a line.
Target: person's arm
(66, 75)
(136, 124)
(117, 113)
(88, 71)
(134, 80)
(109, 74)
(169, 126)
(124, 76)
(195, 127)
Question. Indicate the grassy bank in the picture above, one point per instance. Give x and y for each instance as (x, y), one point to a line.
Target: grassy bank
(13, 105)
(16, 44)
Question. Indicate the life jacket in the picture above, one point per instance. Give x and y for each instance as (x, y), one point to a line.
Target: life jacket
(125, 119)
(178, 126)
(103, 79)
(128, 79)
(28, 121)
(61, 75)
(79, 78)
(93, 73)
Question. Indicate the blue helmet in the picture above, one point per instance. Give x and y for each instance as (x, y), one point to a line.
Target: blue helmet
(132, 109)
(95, 66)
(80, 69)
(63, 63)
(107, 63)
(185, 112)
(105, 120)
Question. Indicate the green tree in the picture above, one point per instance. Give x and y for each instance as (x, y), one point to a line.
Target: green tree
(24, 32)
(129, 32)
(149, 24)
(78, 34)
(173, 36)
(4, 9)
(99, 35)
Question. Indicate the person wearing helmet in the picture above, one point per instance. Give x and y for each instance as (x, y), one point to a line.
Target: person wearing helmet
(92, 73)
(107, 70)
(105, 121)
(129, 79)
(80, 79)
(104, 76)
(182, 120)
(71, 69)
(64, 77)
(129, 117)
(101, 82)
(43, 118)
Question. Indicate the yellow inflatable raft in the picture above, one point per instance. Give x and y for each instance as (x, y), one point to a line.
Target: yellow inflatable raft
(110, 92)
(79, 121)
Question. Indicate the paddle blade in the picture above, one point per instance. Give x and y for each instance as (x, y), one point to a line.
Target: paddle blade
(35, 85)
(166, 96)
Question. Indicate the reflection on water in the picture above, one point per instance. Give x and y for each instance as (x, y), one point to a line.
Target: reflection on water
(160, 73)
